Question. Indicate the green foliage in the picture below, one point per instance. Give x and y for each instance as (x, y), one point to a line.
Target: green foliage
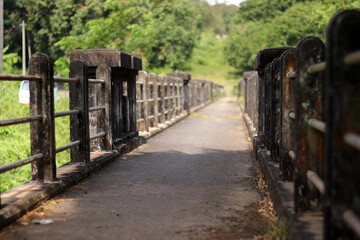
(217, 18)
(48, 21)
(9, 61)
(15, 140)
(208, 62)
(278, 23)
(161, 32)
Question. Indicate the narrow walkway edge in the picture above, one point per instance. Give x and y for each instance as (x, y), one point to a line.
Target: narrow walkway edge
(195, 181)
(303, 226)
(34, 193)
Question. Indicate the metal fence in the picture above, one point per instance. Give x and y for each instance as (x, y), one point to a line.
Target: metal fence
(308, 104)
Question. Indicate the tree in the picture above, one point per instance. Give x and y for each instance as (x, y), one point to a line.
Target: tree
(162, 32)
(284, 23)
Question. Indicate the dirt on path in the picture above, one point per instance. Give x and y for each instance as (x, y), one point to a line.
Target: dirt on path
(195, 180)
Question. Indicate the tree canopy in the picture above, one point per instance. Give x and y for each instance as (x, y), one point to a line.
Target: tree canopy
(263, 24)
(162, 32)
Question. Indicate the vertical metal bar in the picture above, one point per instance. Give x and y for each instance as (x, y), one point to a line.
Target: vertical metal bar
(42, 133)
(104, 72)
(79, 125)
(287, 105)
(342, 107)
(275, 116)
(309, 104)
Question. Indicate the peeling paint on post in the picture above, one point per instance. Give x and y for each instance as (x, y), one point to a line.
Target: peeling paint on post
(309, 105)
(264, 57)
(287, 106)
(342, 110)
(275, 113)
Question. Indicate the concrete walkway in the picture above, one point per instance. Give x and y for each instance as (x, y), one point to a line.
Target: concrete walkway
(193, 181)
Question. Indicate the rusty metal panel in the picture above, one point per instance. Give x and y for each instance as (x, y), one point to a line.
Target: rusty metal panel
(309, 105)
(264, 57)
(275, 116)
(287, 106)
(267, 104)
(342, 108)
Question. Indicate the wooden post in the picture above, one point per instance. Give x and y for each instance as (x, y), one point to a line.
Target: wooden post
(42, 133)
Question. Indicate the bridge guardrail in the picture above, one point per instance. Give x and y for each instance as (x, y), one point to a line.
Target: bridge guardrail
(160, 99)
(107, 106)
(319, 145)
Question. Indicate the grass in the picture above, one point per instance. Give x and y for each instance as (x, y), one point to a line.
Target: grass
(15, 140)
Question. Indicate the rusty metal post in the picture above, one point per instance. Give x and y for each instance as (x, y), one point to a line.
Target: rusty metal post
(342, 108)
(287, 122)
(275, 110)
(42, 133)
(268, 98)
(262, 59)
(309, 105)
(79, 124)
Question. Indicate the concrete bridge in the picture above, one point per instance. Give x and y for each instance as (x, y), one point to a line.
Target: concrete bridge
(195, 180)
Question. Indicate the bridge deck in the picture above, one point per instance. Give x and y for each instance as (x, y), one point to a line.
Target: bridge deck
(193, 181)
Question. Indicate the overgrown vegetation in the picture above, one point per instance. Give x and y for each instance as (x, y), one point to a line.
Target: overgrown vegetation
(15, 140)
(263, 24)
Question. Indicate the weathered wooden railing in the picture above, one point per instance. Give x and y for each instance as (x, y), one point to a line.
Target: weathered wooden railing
(108, 104)
(308, 119)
